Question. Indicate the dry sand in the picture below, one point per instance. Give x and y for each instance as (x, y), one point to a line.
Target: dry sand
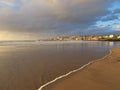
(101, 75)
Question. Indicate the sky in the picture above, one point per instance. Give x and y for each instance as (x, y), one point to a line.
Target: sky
(35, 19)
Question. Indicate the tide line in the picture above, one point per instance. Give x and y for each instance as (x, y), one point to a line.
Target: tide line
(73, 71)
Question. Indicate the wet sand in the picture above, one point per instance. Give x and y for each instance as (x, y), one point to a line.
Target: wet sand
(101, 75)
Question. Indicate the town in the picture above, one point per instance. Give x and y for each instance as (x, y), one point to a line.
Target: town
(86, 38)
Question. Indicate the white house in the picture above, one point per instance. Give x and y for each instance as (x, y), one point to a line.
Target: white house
(111, 36)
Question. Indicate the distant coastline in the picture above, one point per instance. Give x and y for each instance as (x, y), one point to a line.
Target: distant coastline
(86, 38)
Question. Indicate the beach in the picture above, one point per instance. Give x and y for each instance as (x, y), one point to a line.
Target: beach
(100, 75)
(29, 66)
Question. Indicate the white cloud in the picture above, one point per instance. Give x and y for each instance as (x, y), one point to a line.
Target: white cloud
(118, 27)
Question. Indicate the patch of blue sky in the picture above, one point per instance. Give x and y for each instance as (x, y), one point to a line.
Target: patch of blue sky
(115, 5)
(110, 23)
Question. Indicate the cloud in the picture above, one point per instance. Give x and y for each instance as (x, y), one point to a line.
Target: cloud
(118, 27)
(6, 4)
(53, 17)
(110, 17)
(117, 11)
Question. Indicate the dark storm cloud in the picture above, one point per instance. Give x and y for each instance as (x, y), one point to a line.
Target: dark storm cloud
(53, 16)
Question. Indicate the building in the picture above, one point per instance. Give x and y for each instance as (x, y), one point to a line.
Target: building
(111, 36)
(118, 37)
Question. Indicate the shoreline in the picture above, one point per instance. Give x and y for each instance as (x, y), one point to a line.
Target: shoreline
(73, 71)
(102, 74)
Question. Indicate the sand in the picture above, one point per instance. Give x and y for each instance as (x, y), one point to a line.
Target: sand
(101, 75)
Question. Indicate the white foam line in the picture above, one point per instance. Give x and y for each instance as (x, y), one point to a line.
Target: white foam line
(63, 76)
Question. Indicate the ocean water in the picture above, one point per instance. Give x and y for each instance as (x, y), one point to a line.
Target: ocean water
(28, 65)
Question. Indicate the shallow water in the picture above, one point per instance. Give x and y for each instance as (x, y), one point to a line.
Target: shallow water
(27, 66)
